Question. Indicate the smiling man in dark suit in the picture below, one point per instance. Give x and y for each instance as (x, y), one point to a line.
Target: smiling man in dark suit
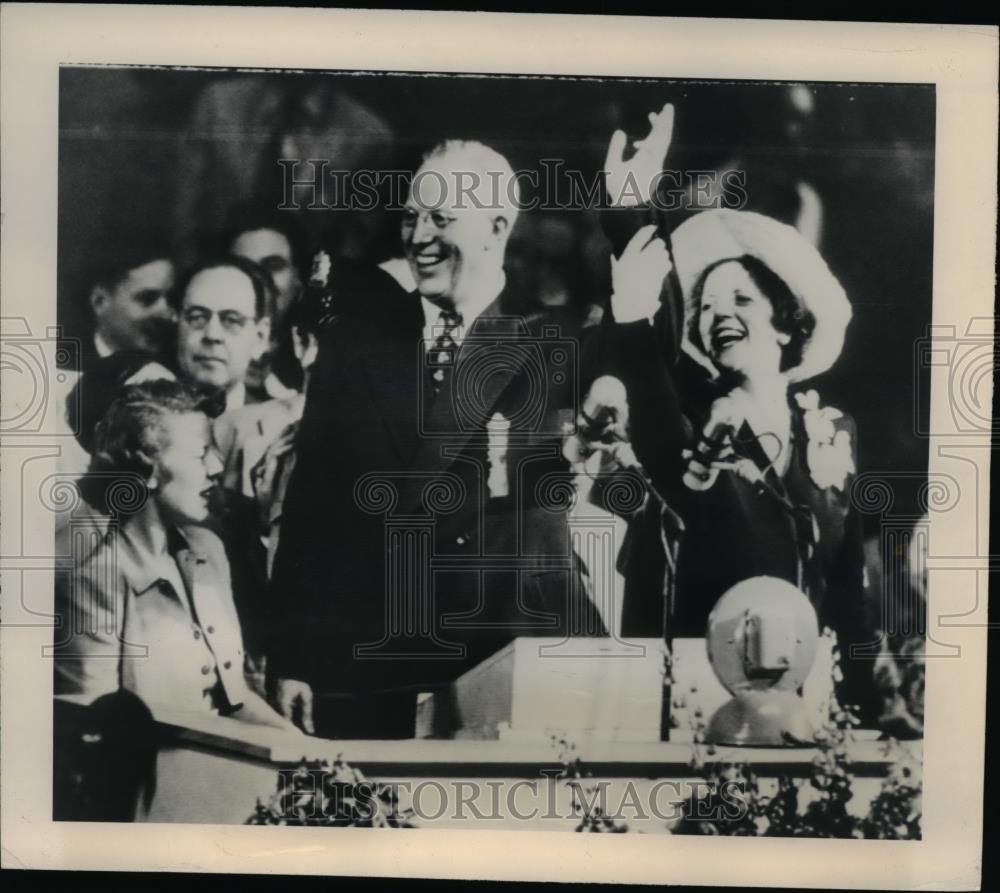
(421, 527)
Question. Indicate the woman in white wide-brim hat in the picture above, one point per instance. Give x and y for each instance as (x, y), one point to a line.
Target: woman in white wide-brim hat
(762, 312)
(769, 474)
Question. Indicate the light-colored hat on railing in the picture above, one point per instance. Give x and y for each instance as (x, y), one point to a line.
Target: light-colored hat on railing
(718, 235)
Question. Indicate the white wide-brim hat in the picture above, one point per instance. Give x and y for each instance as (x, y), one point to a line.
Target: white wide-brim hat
(711, 237)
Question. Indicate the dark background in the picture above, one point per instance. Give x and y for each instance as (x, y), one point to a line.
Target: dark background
(139, 152)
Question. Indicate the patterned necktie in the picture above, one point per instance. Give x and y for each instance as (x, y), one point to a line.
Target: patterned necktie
(441, 356)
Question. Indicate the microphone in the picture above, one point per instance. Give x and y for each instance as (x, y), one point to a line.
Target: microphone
(604, 419)
(716, 438)
(605, 411)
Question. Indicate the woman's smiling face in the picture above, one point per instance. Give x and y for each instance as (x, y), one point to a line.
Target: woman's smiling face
(186, 468)
(735, 323)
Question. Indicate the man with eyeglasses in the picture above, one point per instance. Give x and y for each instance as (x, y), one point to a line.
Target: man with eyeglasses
(221, 324)
(224, 324)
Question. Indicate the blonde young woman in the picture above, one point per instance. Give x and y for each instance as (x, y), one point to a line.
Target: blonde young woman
(150, 609)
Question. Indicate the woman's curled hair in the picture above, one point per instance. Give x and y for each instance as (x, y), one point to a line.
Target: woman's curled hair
(128, 436)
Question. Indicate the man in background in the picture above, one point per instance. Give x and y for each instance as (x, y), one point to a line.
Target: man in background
(131, 307)
(125, 285)
(275, 242)
(223, 325)
(127, 291)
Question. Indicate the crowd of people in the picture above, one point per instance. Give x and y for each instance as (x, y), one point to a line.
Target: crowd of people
(322, 490)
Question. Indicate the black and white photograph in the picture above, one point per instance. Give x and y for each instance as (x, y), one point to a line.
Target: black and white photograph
(455, 450)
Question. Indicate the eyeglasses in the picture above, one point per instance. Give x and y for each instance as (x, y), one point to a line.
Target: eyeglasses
(440, 220)
(198, 318)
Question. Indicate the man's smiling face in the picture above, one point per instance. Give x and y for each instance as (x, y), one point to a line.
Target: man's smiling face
(449, 242)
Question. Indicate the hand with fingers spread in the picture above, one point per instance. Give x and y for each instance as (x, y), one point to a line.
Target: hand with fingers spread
(630, 183)
(637, 277)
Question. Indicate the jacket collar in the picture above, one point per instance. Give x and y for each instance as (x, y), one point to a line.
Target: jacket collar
(394, 372)
(143, 569)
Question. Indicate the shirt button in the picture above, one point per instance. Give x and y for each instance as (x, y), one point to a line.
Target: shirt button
(205, 670)
(227, 665)
(210, 630)
(197, 634)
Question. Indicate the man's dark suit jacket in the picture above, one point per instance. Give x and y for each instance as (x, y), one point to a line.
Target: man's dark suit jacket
(396, 568)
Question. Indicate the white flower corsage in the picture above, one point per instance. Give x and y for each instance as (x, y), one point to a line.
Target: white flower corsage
(828, 452)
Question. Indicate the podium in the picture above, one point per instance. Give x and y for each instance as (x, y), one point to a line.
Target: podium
(535, 687)
(603, 689)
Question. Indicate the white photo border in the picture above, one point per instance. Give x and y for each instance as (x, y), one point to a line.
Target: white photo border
(961, 61)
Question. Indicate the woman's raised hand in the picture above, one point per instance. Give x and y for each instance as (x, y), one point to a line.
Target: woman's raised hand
(629, 183)
(637, 277)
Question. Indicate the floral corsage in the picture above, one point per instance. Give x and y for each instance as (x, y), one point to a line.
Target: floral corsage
(828, 453)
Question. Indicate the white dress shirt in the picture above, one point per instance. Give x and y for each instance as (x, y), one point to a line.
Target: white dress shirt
(434, 325)
(236, 396)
